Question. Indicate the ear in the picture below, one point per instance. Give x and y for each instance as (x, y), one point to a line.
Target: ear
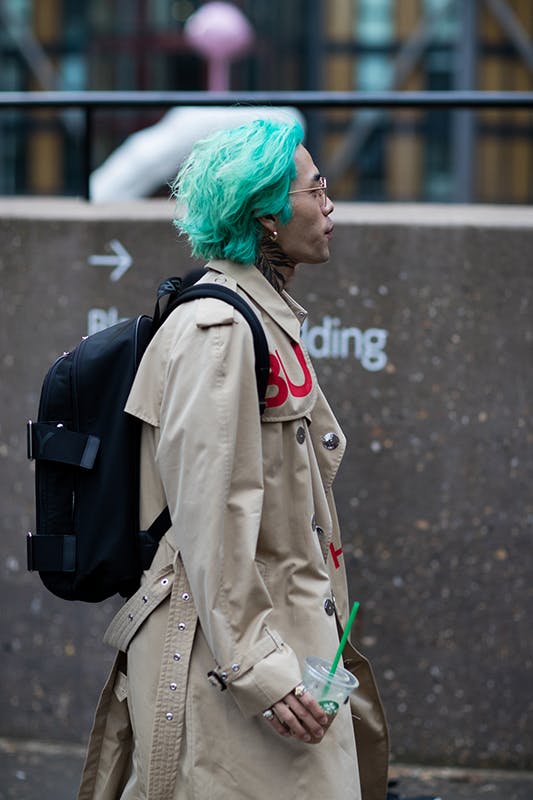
(268, 222)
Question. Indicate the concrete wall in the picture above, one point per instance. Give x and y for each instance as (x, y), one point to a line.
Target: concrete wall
(421, 332)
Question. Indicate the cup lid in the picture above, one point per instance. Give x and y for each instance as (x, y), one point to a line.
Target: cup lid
(342, 679)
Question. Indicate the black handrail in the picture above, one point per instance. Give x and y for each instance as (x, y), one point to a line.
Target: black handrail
(91, 101)
(447, 99)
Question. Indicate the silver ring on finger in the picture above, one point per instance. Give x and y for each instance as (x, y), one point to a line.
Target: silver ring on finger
(268, 714)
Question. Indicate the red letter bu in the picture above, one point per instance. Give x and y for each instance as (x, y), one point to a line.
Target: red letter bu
(285, 386)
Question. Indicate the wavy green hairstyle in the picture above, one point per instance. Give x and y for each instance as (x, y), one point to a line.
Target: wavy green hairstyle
(231, 178)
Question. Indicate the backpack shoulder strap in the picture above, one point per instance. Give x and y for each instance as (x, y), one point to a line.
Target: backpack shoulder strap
(262, 358)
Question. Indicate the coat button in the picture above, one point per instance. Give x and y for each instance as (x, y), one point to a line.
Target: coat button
(330, 441)
(329, 608)
(300, 435)
(169, 716)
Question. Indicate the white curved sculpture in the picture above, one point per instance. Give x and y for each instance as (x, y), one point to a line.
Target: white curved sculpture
(150, 158)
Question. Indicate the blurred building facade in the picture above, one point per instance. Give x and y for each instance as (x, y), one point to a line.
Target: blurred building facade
(367, 45)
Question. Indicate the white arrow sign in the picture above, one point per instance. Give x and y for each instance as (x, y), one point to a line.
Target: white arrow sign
(121, 260)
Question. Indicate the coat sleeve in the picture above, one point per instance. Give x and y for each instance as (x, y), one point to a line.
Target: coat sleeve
(210, 460)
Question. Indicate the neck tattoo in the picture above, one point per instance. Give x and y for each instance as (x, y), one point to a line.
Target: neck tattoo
(269, 259)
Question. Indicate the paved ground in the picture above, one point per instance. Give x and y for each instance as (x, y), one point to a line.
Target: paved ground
(462, 784)
(40, 771)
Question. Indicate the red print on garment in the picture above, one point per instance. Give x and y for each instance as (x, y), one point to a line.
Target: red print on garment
(335, 554)
(283, 384)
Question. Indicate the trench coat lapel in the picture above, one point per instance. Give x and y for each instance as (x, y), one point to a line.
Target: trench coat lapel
(281, 308)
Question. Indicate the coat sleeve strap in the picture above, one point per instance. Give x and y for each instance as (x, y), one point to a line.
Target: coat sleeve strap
(222, 677)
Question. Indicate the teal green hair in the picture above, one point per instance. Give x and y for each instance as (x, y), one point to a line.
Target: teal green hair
(229, 180)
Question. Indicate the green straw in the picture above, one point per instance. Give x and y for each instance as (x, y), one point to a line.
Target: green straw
(355, 609)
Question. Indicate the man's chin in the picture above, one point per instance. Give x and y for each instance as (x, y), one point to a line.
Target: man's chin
(321, 258)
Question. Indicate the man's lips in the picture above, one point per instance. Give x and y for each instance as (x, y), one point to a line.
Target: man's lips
(329, 232)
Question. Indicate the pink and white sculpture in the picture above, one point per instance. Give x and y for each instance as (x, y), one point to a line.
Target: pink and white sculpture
(220, 33)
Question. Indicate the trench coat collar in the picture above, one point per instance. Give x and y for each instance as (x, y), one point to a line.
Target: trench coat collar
(282, 308)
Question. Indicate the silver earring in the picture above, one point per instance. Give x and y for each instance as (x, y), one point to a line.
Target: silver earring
(273, 236)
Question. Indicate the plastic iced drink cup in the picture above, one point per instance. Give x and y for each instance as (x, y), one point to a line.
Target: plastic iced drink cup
(331, 691)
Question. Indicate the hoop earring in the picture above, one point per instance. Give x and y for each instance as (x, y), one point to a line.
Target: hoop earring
(273, 235)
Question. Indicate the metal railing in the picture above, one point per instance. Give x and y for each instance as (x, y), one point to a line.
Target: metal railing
(93, 101)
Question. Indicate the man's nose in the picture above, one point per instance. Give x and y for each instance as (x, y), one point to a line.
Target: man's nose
(328, 208)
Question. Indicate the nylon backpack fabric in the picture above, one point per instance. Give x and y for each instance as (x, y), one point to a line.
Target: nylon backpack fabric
(88, 544)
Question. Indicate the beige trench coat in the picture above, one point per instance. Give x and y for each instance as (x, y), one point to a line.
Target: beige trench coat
(249, 580)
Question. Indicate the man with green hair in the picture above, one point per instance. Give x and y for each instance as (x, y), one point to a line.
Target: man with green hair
(206, 698)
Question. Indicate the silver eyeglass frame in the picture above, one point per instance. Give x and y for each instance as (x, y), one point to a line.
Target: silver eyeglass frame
(322, 186)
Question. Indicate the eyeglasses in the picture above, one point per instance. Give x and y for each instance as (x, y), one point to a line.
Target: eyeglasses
(320, 191)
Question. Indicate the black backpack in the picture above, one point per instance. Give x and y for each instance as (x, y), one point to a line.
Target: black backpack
(87, 544)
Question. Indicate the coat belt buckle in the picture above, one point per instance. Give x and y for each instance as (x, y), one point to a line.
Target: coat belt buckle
(216, 680)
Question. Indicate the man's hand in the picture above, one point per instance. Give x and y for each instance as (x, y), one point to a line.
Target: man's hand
(299, 715)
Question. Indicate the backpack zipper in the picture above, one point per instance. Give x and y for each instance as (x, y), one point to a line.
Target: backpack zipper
(74, 383)
(47, 381)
